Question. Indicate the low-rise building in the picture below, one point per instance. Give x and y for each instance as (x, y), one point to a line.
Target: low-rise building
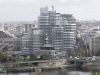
(8, 42)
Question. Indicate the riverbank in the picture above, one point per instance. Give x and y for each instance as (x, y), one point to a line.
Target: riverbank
(54, 72)
(34, 65)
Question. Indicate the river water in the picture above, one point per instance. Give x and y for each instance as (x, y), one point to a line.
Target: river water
(56, 72)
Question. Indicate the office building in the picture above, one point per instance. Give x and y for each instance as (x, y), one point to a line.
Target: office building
(59, 28)
(57, 33)
(26, 40)
(69, 25)
(46, 22)
(36, 34)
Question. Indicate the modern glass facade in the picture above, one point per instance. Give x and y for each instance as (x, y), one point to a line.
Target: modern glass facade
(46, 22)
(36, 39)
(69, 24)
(26, 40)
(60, 29)
(26, 43)
(57, 33)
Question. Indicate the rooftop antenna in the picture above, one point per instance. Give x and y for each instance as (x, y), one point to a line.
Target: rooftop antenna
(52, 8)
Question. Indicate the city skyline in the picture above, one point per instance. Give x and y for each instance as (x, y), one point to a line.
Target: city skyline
(28, 10)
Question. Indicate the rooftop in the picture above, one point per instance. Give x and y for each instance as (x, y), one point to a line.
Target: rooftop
(5, 34)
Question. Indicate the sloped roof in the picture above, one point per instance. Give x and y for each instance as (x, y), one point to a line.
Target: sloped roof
(5, 34)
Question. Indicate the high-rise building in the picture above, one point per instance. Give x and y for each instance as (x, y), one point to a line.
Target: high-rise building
(59, 28)
(57, 35)
(26, 40)
(46, 22)
(69, 25)
(36, 39)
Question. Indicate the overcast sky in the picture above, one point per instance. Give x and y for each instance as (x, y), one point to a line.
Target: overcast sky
(28, 10)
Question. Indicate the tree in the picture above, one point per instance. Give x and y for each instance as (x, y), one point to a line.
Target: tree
(3, 57)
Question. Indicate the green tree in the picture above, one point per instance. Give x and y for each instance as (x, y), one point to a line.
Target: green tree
(3, 57)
